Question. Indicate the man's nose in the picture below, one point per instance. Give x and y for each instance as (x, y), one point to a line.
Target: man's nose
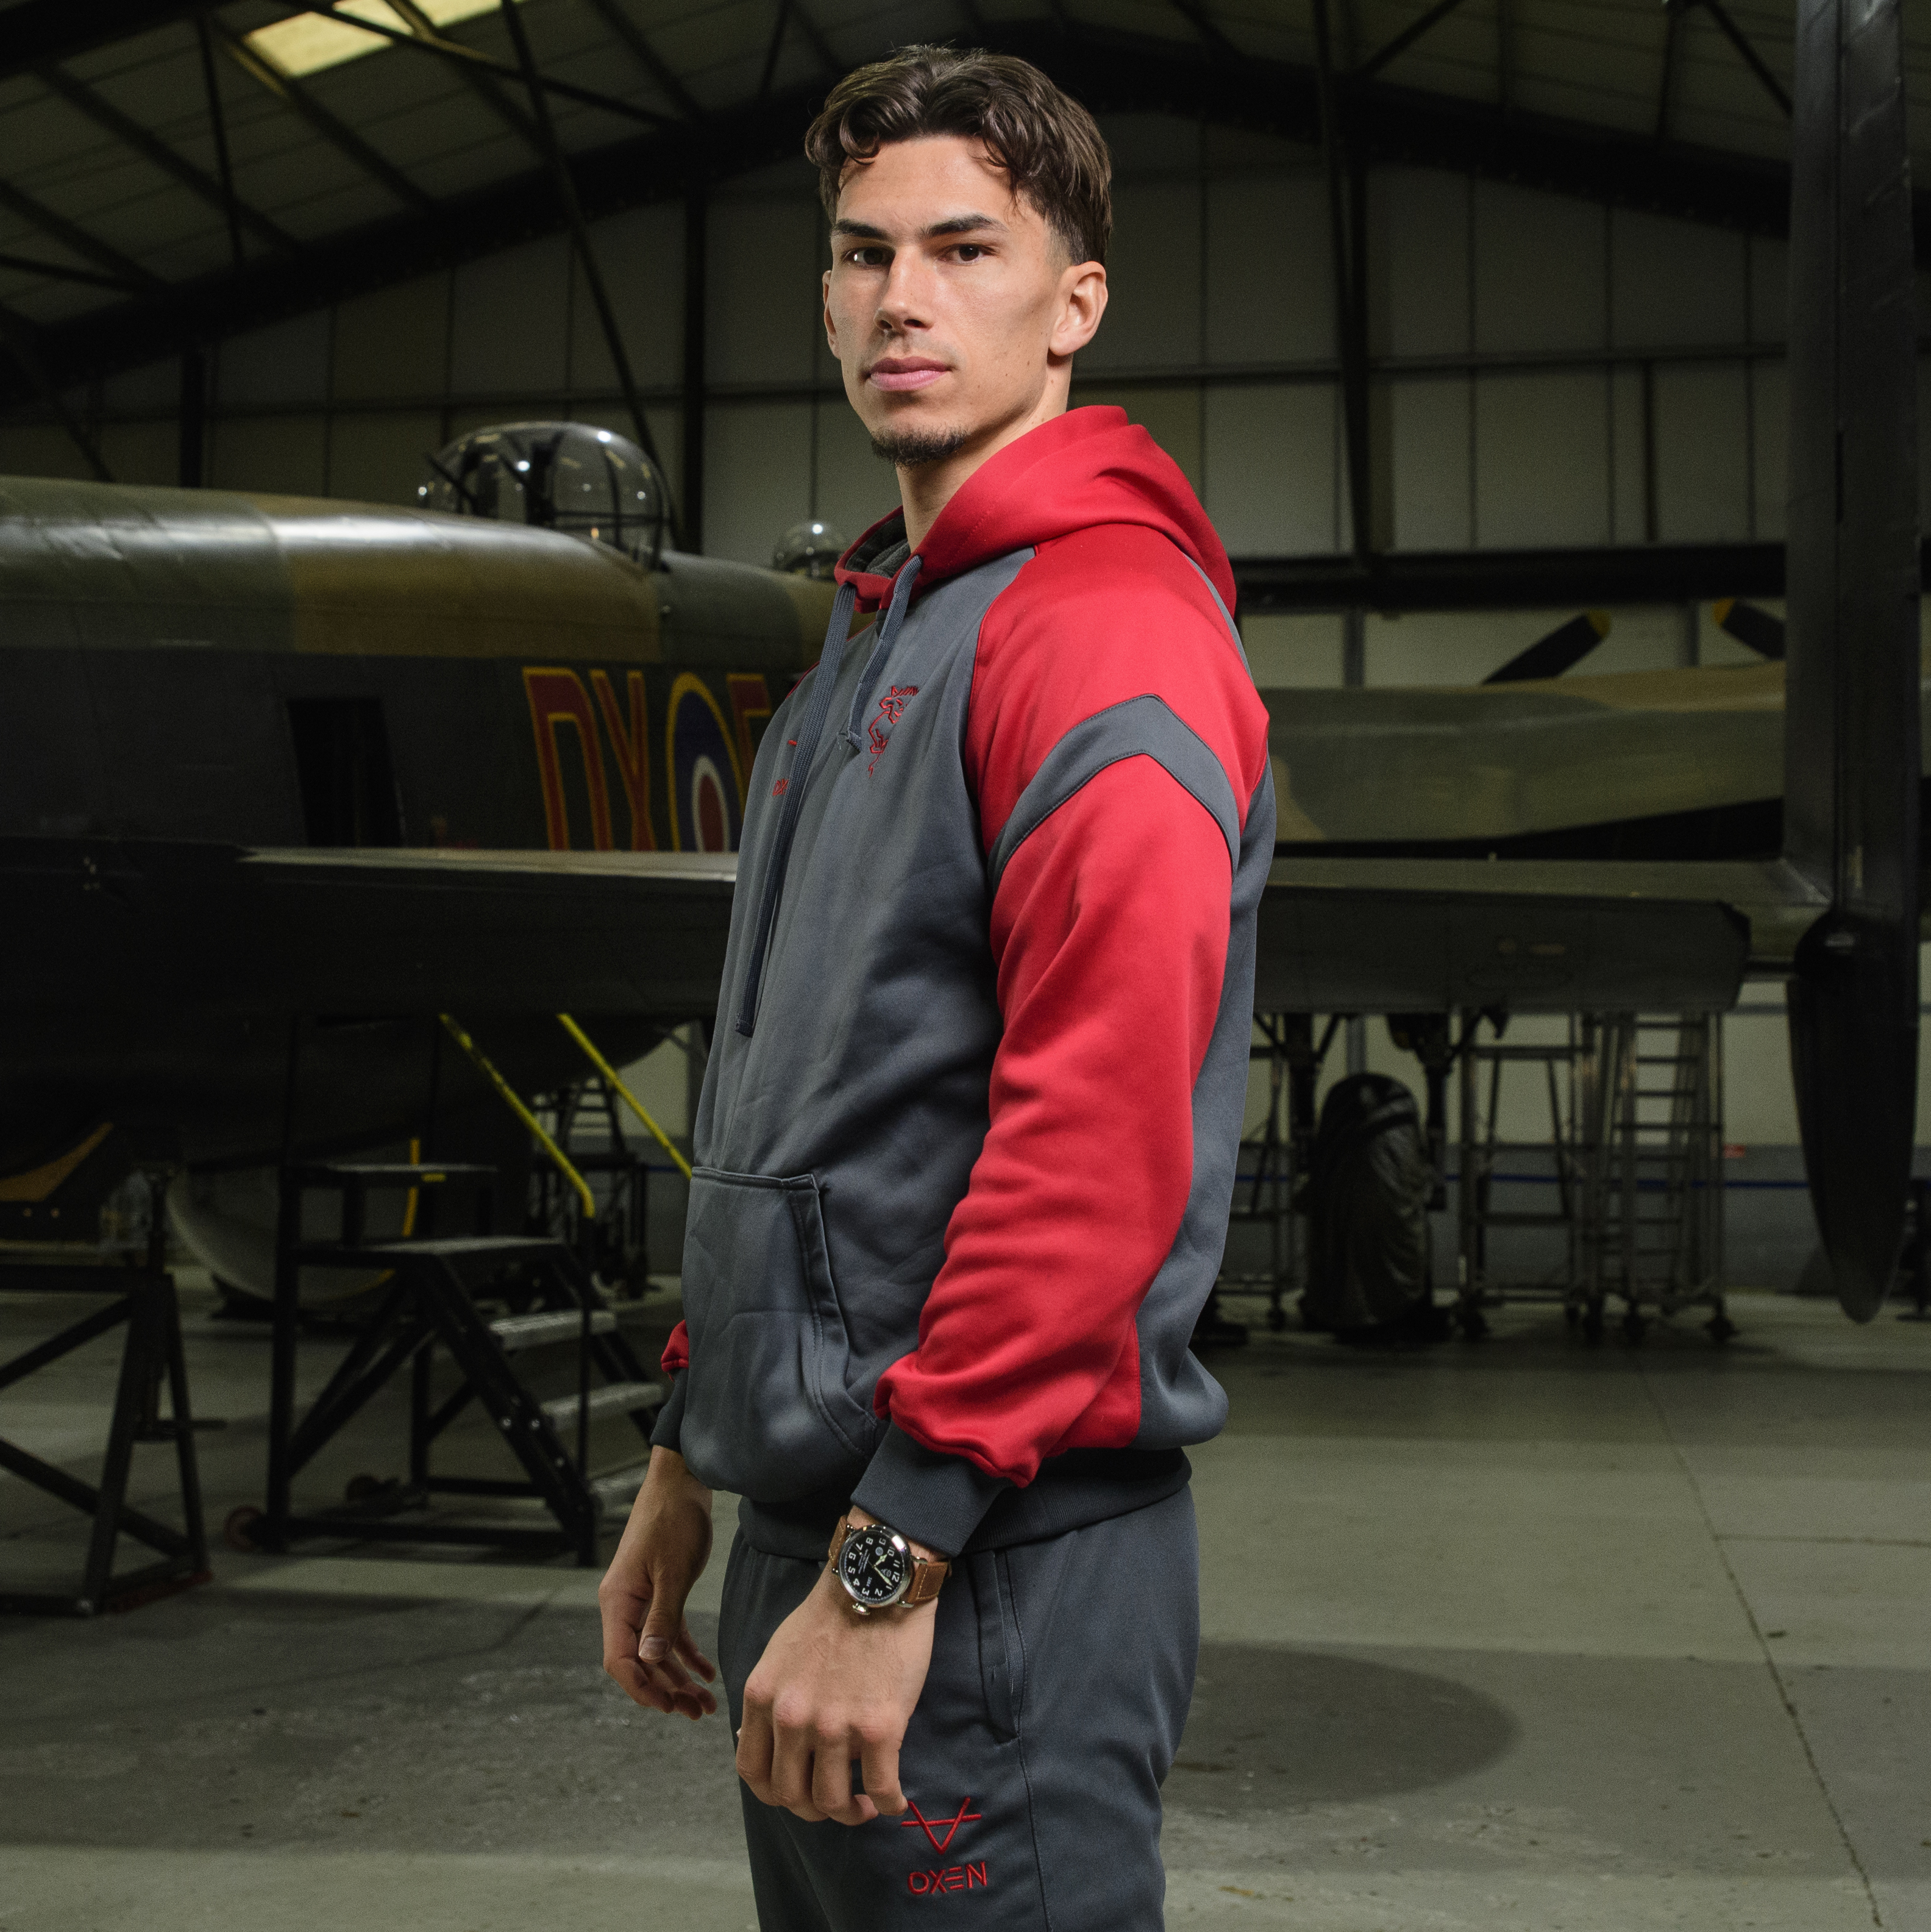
(905, 301)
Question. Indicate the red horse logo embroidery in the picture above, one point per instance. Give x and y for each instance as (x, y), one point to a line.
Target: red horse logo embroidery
(891, 709)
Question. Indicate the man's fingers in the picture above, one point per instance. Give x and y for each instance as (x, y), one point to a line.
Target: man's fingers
(638, 1685)
(879, 1761)
(791, 1770)
(693, 1700)
(687, 1648)
(832, 1790)
(754, 1757)
(664, 1624)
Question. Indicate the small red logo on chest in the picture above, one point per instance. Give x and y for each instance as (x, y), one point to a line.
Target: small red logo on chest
(891, 709)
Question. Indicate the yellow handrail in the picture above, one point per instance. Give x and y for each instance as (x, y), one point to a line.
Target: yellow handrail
(515, 1105)
(631, 1100)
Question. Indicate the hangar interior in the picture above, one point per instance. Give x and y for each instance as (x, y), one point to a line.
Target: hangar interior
(1515, 1635)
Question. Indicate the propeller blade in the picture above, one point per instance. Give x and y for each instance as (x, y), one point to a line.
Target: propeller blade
(1759, 629)
(1567, 645)
(1851, 711)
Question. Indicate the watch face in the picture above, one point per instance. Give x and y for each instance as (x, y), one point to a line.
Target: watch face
(875, 1566)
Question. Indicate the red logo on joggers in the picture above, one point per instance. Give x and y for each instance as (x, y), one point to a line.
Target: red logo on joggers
(931, 1826)
(954, 1878)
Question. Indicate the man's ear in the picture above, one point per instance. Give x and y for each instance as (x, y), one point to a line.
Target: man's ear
(1082, 303)
(830, 328)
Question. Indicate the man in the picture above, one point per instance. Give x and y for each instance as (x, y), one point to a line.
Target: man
(968, 1130)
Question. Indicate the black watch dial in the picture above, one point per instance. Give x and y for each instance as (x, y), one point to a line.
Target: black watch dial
(875, 1566)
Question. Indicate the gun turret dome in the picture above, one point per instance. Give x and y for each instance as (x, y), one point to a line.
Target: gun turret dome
(573, 477)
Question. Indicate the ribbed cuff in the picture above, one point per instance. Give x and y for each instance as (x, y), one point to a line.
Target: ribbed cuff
(667, 1433)
(934, 1498)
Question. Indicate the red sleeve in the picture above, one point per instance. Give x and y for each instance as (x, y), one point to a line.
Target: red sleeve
(677, 1350)
(1109, 932)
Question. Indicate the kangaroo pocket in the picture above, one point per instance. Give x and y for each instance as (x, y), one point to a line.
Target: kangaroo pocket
(766, 1411)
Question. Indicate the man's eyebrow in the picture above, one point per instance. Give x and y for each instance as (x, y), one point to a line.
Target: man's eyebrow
(957, 224)
(963, 224)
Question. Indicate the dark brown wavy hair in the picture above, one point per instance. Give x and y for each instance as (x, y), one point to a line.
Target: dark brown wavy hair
(1053, 154)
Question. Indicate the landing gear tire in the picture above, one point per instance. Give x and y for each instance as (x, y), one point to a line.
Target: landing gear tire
(1592, 1324)
(1719, 1328)
(1473, 1324)
(1277, 1321)
(1636, 1328)
(243, 1529)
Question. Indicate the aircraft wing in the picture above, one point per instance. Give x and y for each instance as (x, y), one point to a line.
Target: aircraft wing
(1431, 935)
(121, 925)
(130, 925)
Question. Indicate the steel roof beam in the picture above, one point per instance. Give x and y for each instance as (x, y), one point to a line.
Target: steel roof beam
(217, 127)
(827, 54)
(39, 31)
(646, 56)
(1750, 58)
(131, 134)
(1405, 39)
(481, 85)
(23, 340)
(1196, 17)
(58, 271)
(475, 63)
(76, 239)
(1385, 125)
(298, 101)
(1674, 18)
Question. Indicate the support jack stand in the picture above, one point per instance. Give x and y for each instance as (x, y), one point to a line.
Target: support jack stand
(152, 1350)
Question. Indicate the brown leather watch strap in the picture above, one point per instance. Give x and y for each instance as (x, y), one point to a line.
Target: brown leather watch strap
(929, 1573)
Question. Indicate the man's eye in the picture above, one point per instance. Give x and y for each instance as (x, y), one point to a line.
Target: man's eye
(970, 251)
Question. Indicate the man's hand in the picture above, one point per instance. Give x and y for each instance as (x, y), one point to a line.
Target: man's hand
(647, 1647)
(832, 1686)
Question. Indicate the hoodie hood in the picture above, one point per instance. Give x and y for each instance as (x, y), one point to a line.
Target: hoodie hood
(1090, 466)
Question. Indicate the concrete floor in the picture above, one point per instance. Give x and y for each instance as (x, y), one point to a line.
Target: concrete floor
(1518, 1635)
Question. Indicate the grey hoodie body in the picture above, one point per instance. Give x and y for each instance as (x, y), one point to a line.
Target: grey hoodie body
(845, 1098)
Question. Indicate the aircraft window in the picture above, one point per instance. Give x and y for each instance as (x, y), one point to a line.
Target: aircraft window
(588, 482)
(308, 43)
(342, 766)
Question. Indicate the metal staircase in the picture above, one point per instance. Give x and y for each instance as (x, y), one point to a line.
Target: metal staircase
(1484, 1152)
(1635, 1140)
(430, 1311)
(1653, 1220)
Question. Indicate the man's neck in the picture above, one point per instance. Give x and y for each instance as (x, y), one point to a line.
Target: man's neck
(926, 490)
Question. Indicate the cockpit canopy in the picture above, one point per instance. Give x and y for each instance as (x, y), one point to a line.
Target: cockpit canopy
(810, 549)
(574, 477)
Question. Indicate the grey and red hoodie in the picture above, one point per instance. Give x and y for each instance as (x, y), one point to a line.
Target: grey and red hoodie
(967, 1138)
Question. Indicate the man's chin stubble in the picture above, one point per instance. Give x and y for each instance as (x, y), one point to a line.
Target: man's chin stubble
(912, 448)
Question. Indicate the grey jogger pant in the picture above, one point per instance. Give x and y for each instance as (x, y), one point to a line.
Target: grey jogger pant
(1061, 1675)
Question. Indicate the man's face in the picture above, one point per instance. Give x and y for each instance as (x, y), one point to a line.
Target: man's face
(949, 303)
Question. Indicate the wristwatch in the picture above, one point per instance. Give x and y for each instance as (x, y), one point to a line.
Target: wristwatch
(877, 1566)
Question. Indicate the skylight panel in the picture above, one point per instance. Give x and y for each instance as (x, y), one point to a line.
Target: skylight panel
(306, 43)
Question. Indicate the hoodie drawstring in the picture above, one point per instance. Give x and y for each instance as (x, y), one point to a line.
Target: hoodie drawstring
(888, 635)
(810, 729)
